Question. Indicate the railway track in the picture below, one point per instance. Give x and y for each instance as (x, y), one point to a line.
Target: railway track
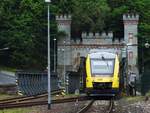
(35, 103)
(26, 98)
(28, 102)
(111, 106)
(87, 107)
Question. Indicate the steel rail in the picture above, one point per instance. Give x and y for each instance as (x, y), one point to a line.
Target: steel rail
(19, 98)
(31, 103)
(111, 106)
(25, 98)
(86, 108)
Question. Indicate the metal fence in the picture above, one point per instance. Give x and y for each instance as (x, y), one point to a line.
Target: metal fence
(35, 83)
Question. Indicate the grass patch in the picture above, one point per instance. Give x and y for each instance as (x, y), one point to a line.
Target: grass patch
(17, 110)
(5, 96)
(134, 99)
(148, 94)
(7, 69)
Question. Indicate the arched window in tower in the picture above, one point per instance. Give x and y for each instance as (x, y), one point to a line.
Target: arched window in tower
(76, 62)
(130, 38)
(130, 55)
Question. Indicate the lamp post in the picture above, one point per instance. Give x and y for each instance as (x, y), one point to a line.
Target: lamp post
(64, 64)
(125, 55)
(127, 76)
(48, 43)
(146, 45)
(61, 50)
(54, 55)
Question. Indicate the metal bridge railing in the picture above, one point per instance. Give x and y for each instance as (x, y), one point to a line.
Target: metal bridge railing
(35, 83)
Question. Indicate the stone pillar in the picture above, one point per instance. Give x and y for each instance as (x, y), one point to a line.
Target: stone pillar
(130, 38)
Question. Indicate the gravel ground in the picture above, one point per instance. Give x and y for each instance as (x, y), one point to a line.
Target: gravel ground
(135, 107)
(99, 106)
(71, 107)
(121, 106)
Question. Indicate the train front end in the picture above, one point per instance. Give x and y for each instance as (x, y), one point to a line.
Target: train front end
(102, 74)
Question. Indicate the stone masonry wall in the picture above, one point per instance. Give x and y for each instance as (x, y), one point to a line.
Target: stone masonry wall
(71, 51)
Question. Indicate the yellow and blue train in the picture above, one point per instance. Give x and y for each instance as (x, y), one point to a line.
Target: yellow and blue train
(102, 73)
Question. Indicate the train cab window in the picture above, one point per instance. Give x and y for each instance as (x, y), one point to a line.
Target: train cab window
(102, 67)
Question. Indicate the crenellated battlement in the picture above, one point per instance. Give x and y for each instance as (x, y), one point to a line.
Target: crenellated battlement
(79, 47)
(64, 24)
(76, 41)
(63, 17)
(131, 17)
(97, 35)
(116, 41)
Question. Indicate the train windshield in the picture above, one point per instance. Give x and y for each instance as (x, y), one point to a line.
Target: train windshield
(102, 67)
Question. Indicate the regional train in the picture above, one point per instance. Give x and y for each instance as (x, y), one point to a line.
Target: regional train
(102, 73)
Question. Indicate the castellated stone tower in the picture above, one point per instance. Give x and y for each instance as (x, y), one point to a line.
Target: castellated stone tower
(64, 24)
(130, 38)
(70, 51)
(63, 51)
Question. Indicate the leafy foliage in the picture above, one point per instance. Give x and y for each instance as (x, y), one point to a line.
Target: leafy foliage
(24, 25)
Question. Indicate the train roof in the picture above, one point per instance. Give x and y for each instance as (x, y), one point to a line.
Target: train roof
(101, 50)
(102, 54)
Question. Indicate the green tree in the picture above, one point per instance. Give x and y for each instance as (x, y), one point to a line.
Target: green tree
(24, 30)
(24, 25)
